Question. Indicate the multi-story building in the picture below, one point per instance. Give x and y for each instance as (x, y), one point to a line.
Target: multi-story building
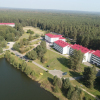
(62, 46)
(52, 38)
(66, 48)
(95, 59)
(90, 55)
(84, 50)
(8, 24)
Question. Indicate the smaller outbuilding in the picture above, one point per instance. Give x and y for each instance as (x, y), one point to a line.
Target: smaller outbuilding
(52, 38)
(8, 24)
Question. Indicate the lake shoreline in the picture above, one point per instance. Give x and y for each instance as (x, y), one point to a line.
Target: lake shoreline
(42, 84)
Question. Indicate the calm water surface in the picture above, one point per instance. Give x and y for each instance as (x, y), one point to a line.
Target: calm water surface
(14, 85)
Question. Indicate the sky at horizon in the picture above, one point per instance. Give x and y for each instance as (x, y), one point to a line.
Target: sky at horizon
(77, 5)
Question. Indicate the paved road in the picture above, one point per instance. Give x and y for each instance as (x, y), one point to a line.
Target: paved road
(40, 66)
(90, 94)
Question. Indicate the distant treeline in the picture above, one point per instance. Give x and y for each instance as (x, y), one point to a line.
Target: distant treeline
(83, 28)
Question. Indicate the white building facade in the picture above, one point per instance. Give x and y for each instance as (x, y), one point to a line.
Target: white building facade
(52, 38)
(95, 59)
(84, 50)
(62, 46)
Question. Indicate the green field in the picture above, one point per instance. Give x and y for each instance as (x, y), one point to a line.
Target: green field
(35, 30)
(59, 62)
(25, 35)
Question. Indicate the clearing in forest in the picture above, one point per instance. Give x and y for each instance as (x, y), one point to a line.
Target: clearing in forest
(36, 30)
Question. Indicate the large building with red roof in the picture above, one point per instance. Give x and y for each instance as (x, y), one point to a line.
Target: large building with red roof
(8, 24)
(62, 47)
(84, 50)
(52, 38)
(95, 59)
(66, 48)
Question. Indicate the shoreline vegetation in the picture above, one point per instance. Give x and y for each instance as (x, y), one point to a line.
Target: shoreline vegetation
(33, 72)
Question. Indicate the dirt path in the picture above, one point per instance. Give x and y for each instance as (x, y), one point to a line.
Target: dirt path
(90, 94)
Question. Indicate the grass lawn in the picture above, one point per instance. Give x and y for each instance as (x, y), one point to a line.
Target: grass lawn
(36, 69)
(95, 91)
(58, 62)
(7, 47)
(25, 35)
(35, 42)
(36, 30)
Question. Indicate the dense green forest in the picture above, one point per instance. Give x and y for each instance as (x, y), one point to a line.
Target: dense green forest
(84, 28)
(10, 34)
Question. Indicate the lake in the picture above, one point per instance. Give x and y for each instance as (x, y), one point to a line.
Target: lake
(15, 85)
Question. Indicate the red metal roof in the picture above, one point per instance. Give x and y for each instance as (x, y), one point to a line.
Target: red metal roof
(62, 38)
(62, 43)
(79, 47)
(92, 51)
(7, 23)
(53, 36)
(97, 53)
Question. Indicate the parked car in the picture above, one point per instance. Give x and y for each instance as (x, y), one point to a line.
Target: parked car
(65, 73)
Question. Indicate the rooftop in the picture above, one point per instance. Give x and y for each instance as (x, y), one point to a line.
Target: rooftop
(97, 53)
(62, 38)
(79, 47)
(53, 36)
(62, 43)
(7, 23)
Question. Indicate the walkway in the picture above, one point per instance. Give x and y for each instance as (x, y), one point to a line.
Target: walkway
(39, 66)
(90, 94)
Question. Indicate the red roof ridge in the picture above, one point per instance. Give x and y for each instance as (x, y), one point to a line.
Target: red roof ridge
(53, 36)
(61, 43)
(79, 47)
(7, 23)
(97, 53)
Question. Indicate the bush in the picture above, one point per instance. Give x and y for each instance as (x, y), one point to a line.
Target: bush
(32, 73)
(29, 31)
(47, 71)
(32, 55)
(12, 53)
(56, 89)
(1, 50)
(36, 35)
(30, 37)
(28, 70)
(30, 61)
(43, 59)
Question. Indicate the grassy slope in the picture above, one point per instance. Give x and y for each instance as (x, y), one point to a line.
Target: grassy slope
(25, 35)
(58, 62)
